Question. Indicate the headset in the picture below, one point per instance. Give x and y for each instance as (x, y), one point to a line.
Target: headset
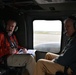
(74, 21)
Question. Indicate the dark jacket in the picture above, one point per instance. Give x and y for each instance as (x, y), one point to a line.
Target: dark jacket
(68, 58)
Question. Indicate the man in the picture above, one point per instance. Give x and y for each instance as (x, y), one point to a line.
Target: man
(9, 47)
(67, 58)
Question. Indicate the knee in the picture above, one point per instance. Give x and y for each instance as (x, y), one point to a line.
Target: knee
(40, 61)
(48, 56)
(48, 53)
(31, 58)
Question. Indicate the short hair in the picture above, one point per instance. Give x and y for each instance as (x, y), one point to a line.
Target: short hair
(11, 20)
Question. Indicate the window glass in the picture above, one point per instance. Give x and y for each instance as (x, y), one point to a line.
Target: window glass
(47, 35)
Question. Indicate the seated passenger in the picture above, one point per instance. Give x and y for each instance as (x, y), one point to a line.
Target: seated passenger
(9, 47)
(55, 62)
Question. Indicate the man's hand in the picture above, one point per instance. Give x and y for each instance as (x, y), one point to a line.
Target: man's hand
(24, 50)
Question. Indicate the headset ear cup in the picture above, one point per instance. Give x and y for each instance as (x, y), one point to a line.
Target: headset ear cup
(4, 25)
(16, 28)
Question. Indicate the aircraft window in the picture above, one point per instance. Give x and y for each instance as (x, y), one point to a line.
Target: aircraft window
(47, 35)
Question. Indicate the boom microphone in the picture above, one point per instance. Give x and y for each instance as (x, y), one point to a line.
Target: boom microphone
(64, 32)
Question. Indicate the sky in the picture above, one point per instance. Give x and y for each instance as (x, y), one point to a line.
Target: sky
(45, 25)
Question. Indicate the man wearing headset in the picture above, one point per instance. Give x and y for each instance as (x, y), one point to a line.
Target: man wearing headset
(54, 62)
(9, 47)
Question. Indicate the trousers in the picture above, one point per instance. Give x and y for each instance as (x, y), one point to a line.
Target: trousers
(20, 60)
(47, 65)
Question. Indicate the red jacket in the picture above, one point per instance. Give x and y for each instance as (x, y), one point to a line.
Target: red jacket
(5, 45)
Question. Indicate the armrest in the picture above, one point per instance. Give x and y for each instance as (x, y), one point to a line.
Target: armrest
(40, 55)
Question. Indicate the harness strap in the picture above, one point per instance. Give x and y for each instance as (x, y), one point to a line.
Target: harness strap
(12, 44)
